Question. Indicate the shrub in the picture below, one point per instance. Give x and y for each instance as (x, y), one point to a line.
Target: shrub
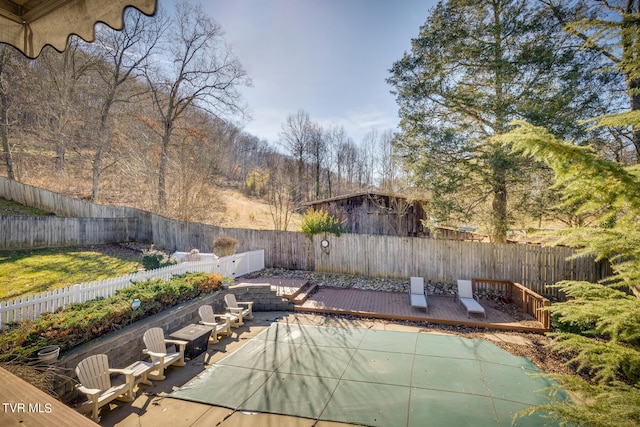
(212, 283)
(82, 322)
(153, 259)
(256, 183)
(319, 221)
(225, 246)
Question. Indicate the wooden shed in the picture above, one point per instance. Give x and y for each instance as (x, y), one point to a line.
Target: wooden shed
(376, 213)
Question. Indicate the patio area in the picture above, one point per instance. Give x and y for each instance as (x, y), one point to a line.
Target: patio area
(359, 312)
(372, 377)
(155, 404)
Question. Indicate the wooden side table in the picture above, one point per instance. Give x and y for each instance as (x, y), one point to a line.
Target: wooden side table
(140, 370)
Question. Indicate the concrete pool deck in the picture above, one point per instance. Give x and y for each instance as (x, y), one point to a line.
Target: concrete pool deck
(153, 407)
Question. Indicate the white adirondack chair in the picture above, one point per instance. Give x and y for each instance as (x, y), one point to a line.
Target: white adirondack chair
(94, 375)
(157, 349)
(238, 313)
(220, 327)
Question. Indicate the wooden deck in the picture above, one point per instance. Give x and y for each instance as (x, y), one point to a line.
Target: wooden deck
(24, 404)
(394, 306)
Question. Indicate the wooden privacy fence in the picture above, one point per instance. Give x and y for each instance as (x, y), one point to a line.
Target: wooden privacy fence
(46, 231)
(59, 204)
(283, 249)
(445, 261)
(68, 207)
(32, 306)
(441, 261)
(530, 302)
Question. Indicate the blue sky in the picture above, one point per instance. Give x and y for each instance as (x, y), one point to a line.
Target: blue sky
(328, 57)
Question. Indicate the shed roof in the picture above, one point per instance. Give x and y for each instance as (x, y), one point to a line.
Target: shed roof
(356, 195)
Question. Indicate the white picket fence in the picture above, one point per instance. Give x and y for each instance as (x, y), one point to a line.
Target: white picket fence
(30, 307)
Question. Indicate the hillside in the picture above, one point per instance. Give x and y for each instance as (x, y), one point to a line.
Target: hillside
(245, 212)
(237, 209)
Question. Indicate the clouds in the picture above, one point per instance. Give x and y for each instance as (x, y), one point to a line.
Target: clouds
(328, 57)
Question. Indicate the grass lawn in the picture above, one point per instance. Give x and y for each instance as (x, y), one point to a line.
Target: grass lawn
(10, 208)
(32, 271)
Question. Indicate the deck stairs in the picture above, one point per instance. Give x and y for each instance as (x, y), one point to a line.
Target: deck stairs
(303, 293)
(295, 290)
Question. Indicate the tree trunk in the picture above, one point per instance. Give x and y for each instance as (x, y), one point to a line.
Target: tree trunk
(60, 154)
(102, 141)
(162, 171)
(300, 188)
(500, 219)
(634, 95)
(60, 137)
(317, 179)
(4, 135)
(97, 164)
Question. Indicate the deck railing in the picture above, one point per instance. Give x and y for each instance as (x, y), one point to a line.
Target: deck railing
(530, 302)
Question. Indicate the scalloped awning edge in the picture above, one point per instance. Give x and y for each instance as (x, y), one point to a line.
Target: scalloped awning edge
(53, 21)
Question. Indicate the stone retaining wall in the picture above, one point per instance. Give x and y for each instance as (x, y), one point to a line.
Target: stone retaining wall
(125, 346)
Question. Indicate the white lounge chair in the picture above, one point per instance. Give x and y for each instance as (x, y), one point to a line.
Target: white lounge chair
(208, 318)
(468, 299)
(94, 375)
(238, 313)
(157, 349)
(417, 294)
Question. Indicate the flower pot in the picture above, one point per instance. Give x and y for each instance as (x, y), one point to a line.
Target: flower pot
(49, 354)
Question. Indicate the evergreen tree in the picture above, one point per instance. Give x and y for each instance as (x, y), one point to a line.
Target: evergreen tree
(476, 66)
(598, 327)
(609, 28)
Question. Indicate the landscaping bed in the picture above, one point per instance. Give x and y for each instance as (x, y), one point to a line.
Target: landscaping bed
(82, 322)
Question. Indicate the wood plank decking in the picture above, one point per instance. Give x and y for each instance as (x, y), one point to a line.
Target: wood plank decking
(394, 306)
(24, 404)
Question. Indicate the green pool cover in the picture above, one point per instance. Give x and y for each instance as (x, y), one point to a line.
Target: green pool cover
(373, 377)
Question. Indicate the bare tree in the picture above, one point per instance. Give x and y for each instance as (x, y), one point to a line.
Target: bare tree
(388, 172)
(368, 160)
(198, 71)
(122, 53)
(247, 146)
(225, 136)
(193, 166)
(349, 158)
(280, 193)
(332, 137)
(317, 150)
(340, 141)
(6, 54)
(67, 72)
(296, 136)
